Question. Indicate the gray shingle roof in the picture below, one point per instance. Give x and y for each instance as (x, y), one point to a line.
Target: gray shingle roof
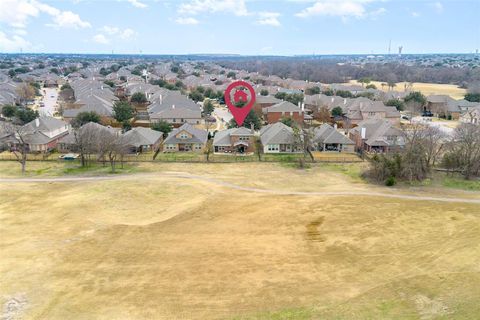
(276, 133)
(198, 135)
(284, 106)
(142, 136)
(327, 134)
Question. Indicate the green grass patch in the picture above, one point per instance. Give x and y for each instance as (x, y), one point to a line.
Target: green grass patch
(287, 314)
(352, 170)
(460, 183)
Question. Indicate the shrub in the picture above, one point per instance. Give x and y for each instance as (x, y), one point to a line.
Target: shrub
(390, 182)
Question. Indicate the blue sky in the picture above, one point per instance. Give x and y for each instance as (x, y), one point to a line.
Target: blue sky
(239, 26)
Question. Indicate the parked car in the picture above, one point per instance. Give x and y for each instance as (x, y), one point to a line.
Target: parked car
(68, 156)
(427, 114)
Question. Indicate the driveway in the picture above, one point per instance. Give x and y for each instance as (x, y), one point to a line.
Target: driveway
(445, 127)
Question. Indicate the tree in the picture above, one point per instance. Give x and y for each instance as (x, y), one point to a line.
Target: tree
(9, 110)
(371, 86)
(344, 94)
(415, 101)
(303, 141)
(312, 90)
(122, 111)
(208, 149)
(85, 117)
(138, 97)
(19, 146)
(258, 148)
(25, 92)
(288, 121)
(231, 75)
(464, 149)
(86, 139)
(113, 147)
(109, 83)
(65, 86)
(400, 105)
(322, 115)
(163, 127)
(252, 118)
(337, 112)
(264, 92)
(364, 81)
(26, 115)
(196, 96)
(473, 92)
(208, 107)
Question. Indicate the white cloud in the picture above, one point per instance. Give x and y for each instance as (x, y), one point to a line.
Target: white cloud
(68, 19)
(187, 21)
(137, 4)
(194, 7)
(13, 44)
(110, 30)
(16, 13)
(415, 14)
(337, 8)
(269, 19)
(127, 34)
(124, 34)
(438, 6)
(100, 38)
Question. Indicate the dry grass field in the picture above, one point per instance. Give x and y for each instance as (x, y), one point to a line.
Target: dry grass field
(179, 242)
(426, 88)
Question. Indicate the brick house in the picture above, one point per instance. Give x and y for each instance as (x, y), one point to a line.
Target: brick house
(284, 109)
(236, 140)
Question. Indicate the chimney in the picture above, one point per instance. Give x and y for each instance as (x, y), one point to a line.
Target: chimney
(335, 126)
(160, 99)
(37, 122)
(252, 128)
(299, 105)
(364, 133)
(173, 106)
(303, 106)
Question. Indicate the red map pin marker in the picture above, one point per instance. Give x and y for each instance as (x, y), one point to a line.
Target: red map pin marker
(240, 96)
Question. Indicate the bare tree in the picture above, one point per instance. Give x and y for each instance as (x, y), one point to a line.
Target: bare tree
(113, 147)
(303, 141)
(25, 92)
(16, 138)
(86, 142)
(464, 149)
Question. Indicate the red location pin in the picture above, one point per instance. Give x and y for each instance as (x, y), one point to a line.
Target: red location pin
(240, 96)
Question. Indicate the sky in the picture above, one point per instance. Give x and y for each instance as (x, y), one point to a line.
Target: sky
(247, 27)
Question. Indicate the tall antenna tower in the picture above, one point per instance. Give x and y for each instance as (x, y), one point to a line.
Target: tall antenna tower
(389, 46)
(400, 51)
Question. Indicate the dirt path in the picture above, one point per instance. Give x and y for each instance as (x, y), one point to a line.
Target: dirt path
(242, 188)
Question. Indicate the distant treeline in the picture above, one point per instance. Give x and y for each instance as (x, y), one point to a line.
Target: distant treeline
(329, 71)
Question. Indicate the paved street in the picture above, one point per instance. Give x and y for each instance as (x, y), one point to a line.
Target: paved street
(50, 100)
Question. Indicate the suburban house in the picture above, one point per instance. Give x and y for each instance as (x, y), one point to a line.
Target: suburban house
(185, 138)
(175, 109)
(377, 135)
(361, 109)
(143, 139)
(236, 140)
(67, 142)
(43, 134)
(282, 110)
(277, 138)
(327, 138)
(471, 116)
(443, 106)
(262, 102)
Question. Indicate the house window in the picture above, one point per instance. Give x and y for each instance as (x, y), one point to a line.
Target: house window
(183, 136)
(181, 120)
(174, 120)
